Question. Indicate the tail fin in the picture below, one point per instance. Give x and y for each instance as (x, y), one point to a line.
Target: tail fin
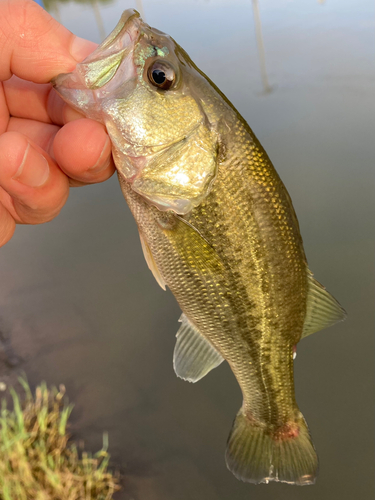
(257, 455)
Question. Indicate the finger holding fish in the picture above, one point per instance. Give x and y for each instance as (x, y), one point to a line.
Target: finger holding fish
(34, 45)
(34, 189)
(40, 133)
(39, 193)
(81, 149)
(34, 48)
(87, 141)
(37, 111)
(37, 101)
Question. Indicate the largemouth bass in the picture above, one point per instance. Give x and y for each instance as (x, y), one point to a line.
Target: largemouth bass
(218, 228)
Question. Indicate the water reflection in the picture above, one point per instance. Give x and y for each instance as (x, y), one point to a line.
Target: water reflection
(81, 308)
(53, 6)
(261, 52)
(139, 7)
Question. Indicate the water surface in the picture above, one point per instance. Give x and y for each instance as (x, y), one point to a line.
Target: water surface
(80, 307)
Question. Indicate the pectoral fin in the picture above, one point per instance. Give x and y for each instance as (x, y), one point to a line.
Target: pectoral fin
(323, 310)
(193, 355)
(151, 262)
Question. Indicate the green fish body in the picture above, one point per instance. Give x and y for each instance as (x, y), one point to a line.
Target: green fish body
(217, 227)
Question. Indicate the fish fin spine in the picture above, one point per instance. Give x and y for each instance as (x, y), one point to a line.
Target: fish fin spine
(257, 453)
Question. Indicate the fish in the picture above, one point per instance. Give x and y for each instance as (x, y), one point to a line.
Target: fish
(217, 226)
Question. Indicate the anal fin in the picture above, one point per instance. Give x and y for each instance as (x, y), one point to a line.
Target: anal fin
(193, 356)
(323, 310)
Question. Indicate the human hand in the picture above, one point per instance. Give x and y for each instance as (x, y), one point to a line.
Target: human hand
(45, 146)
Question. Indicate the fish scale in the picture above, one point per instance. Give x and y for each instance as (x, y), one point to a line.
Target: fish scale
(212, 219)
(217, 227)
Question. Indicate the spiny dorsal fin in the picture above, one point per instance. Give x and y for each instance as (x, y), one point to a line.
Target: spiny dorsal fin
(323, 310)
(151, 262)
(193, 355)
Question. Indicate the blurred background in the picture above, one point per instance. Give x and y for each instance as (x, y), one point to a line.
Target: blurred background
(79, 306)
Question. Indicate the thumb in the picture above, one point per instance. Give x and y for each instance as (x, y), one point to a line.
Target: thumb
(34, 46)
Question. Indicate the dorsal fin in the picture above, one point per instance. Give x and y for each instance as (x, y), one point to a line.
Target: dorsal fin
(193, 355)
(323, 310)
(151, 262)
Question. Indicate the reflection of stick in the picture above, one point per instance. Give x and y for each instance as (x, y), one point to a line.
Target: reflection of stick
(262, 58)
(99, 20)
(140, 8)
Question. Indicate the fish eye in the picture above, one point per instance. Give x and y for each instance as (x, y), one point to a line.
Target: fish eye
(162, 75)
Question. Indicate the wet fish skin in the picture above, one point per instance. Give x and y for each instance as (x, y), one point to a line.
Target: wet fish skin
(218, 228)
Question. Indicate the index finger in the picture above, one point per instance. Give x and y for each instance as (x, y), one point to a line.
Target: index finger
(35, 101)
(34, 46)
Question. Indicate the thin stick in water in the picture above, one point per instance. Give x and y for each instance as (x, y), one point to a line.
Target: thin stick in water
(140, 9)
(262, 58)
(99, 19)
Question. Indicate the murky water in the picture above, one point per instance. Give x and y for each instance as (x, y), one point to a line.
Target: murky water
(79, 305)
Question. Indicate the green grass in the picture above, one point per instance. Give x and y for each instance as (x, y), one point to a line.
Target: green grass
(37, 460)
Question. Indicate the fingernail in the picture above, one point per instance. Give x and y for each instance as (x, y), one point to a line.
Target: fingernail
(81, 48)
(99, 165)
(34, 169)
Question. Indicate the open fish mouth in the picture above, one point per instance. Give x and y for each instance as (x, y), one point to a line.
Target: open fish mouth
(96, 72)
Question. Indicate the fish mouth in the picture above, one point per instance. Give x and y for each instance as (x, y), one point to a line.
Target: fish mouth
(130, 20)
(98, 69)
(101, 65)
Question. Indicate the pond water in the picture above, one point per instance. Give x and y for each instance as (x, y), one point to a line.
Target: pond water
(80, 307)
